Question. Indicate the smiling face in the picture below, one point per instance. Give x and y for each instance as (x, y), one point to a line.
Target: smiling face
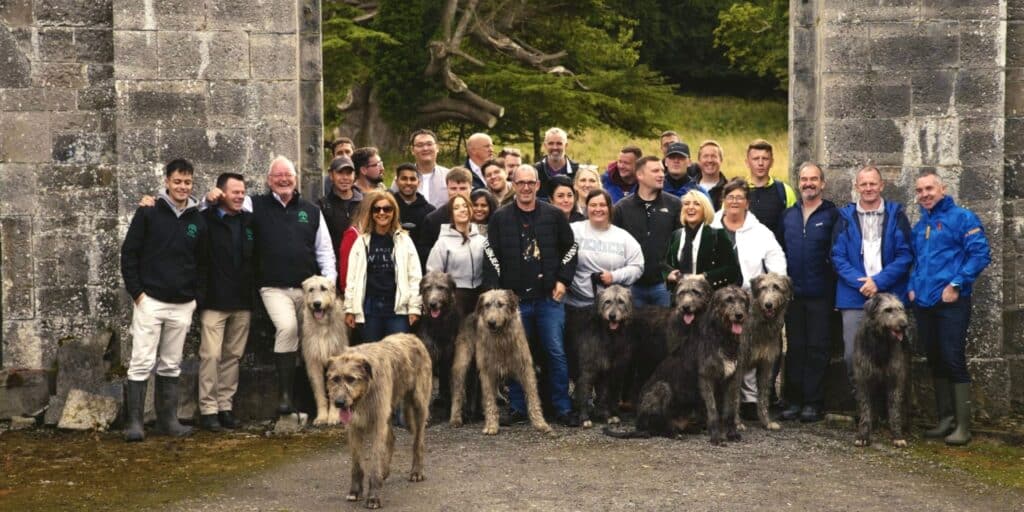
(554, 145)
(495, 177)
(870, 187)
(597, 211)
(710, 161)
(383, 213)
(342, 179)
(585, 182)
(460, 211)
(525, 184)
(693, 212)
(735, 203)
(281, 179)
(811, 183)
(481, 210)
(564, 199)
(626, 165)
(408, 181)
(179, 187)
(930, 190)
(234, 195)
(424, 149)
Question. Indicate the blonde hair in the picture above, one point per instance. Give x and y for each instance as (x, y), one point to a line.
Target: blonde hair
(710, 142)
(705, 205)
(370, 199)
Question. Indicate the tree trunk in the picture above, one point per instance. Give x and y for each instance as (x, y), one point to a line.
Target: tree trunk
(364, 124)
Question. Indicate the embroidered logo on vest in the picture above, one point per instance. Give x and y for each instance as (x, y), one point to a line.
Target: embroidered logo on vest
(303, 217)
(191, 231)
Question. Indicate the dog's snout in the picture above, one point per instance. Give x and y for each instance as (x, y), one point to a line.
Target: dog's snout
(339, 403)
(492, 324)
(769, 305)
(434, 304)
(739, 317)
(317, 304)
(613, 317)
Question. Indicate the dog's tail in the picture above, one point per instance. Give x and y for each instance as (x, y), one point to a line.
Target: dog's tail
(626, 434)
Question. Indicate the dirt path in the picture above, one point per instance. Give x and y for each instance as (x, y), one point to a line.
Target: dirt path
(801, 468)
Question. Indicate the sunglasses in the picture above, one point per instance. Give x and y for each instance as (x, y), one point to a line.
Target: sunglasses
(382, 209)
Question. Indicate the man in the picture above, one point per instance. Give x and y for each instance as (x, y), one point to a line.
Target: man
(530, 250)
(162, 266)
(668, 138)
(459, 182)
(479, 149)
(871, 254)
(292, 244)
(340, 204)
(342, 146)
(768, 196)
(511, 159)
(226, 311)
(554, 163)
(710, 157)
(676, 162)
(423, 144)
(807, 241)
(497, 180)
(951, 252)
(413, 208)
(619, 178)
(369, 169)
(650, 216)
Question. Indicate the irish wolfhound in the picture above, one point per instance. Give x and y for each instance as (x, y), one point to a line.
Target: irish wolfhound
(880, 364)
(719, 345)
(494, 334)
(438, 327)
(324, 335)
(771, 295)
(599, 346)
(366, 383)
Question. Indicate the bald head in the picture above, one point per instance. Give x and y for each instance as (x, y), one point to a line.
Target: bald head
(480, 148)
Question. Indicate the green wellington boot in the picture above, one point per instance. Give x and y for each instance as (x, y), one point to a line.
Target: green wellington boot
(943, 409)
(962, 404)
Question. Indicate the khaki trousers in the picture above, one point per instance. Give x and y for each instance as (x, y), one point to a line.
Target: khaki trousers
(158, 337)
(223, 337)
(284, 306)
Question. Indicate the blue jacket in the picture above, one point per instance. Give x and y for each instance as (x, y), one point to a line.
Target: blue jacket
(808, 249)
(950, 248)
(612, 183)
(848, 256)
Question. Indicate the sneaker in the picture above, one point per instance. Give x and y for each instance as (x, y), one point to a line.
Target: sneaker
(228, 420)
(791, 413)
(569, 419)
(811, 414)
(748, 411)
(511, 417)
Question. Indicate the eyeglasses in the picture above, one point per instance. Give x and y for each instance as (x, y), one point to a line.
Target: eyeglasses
(378, 163)
(382, 209)
(526, 183)
(735, 199)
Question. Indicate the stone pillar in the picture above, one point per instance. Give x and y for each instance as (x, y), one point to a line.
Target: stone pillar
(909, 86)
(1013, 209)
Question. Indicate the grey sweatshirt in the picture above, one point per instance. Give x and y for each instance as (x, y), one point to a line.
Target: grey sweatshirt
(613, 250)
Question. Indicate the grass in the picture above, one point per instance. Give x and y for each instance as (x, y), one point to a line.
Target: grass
(986, 459)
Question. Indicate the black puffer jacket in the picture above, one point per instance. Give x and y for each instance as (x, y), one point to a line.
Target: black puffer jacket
(503, 262)
(654, 233)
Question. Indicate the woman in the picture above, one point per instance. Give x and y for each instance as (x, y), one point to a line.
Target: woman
(697, 248)
(484, 205)
(459, 252)
(755, 244)
(606, 254)
(563, 197)
(586, 180)
(496, 179)
(382, 285)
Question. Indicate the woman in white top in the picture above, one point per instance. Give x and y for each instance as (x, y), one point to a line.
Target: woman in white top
(459, 252)
(606, 254)
(756, 246)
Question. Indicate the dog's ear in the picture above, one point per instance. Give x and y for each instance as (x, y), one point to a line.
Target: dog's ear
(871, 305)
(368, 370)
(513, 300)
(746, 295)
(451, 282)
(755, 283)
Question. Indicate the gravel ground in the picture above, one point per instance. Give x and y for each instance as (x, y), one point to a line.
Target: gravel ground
(799, 468)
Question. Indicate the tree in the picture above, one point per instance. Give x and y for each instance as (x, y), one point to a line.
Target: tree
(756, 38)
(513, 67)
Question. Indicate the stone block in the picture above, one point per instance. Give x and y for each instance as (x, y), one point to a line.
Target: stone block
(932, 91)
(273, 56)
(1014, 91)
(849, 142)
(15, 236)
(88, 411)
(990, 388)
(803, 42)
(18, 188)
(62, 301)
(902, 46)
(137, 145)
(960, 9)
(310, 16)
(25, 137)
(159, 104)
(979, 92)
(22, 392)
(311, 99)
(56, 44)
(845, 48)
(981, 141)
(276, 101)
(16, 13)
(84, 148)
(94, 46)
(929, 141)
(230, 104)
(852, 98)
(69, 75)
(1015, 11)
(17, 71)
(135, 55)
(22, 422)
(97, 97)
(218, 147)
(77, 13)
(267, 142)
(36, 99)
(311, 57)
(982, 44)
(1015, 44)
(217, 55)
(858, 11)
(268, 16)
(802, 137)
(1014, 132)
(977, 182)
(1013, 327)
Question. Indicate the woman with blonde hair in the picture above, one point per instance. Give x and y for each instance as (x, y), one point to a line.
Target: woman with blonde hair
(382, 285)
(698, 248)
(586, 180)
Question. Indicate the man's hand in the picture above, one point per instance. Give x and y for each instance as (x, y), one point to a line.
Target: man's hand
(606, 278)
(138, 300)
(869, 288)
(147, 201)
(910, 295)
(559, 292)
(673, 276)
(950, 294)
(350, 320)
(413, 319)
(213, 196)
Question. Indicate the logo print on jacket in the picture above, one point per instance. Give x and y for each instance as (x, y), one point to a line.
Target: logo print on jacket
(191, 231)
(303, 217)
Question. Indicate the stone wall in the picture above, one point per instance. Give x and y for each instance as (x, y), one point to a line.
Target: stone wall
(925, 84)
(95, 97)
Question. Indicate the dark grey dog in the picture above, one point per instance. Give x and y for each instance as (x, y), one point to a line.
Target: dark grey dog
(719, 344)
(771, 295)
(881, 365)
(599, 346)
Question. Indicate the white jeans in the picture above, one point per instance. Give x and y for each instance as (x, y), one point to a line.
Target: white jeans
(158, 337)
(284, 306)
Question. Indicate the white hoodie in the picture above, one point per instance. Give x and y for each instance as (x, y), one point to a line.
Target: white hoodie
(756, 248)
(461, 259)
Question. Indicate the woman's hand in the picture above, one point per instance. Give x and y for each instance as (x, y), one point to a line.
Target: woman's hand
(350, 320)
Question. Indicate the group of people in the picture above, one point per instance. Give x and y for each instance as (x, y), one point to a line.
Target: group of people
(552, 232)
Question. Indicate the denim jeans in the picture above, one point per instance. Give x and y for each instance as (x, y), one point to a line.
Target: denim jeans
(381, 319)
(651, 295)
(942, 329)
(546, 318)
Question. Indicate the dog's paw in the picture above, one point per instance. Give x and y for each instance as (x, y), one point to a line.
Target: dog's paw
(587, 424)
(544, 428)
(861, 442)
(352, 496)
(899, 443)
(716, 441)
(455, 422)
(614, 420)
(773, 426)
(740, 426)
(490, 430)
(373, 502)
(320, 421)
(733, 436)
(416, 476)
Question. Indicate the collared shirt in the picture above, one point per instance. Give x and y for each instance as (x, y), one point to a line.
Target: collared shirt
(871, 223)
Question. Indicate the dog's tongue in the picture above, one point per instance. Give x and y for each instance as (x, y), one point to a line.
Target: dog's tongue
(688, 318)
(737, 328)
(319, 315)
(613, 326)
(434, 313)
(345, 415)
(898, 335)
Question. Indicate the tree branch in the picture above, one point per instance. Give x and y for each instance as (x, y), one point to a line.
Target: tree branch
(466, 107)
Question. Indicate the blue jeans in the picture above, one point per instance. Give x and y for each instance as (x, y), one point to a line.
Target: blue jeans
(942, 329)
(546, 318)
(651, 295)
(381, 320)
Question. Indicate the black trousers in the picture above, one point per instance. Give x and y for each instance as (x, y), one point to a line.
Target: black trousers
(807, 355)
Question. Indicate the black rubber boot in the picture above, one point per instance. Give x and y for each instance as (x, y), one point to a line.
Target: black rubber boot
(134, 402)
(943, 409)
(167, 408)
(210, 422)
(962, 405)
(227, 420)
(285, 362)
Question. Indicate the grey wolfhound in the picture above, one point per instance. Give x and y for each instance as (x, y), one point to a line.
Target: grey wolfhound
(366, 383)
(599, 347)
(881, 365)
(719, 345)
(494, 334)
(438, 327)
(771, 294)
(324, 335)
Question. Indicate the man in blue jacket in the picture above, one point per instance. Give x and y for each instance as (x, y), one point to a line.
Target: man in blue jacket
(951, 251)
(807, 240)
(871, 254)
